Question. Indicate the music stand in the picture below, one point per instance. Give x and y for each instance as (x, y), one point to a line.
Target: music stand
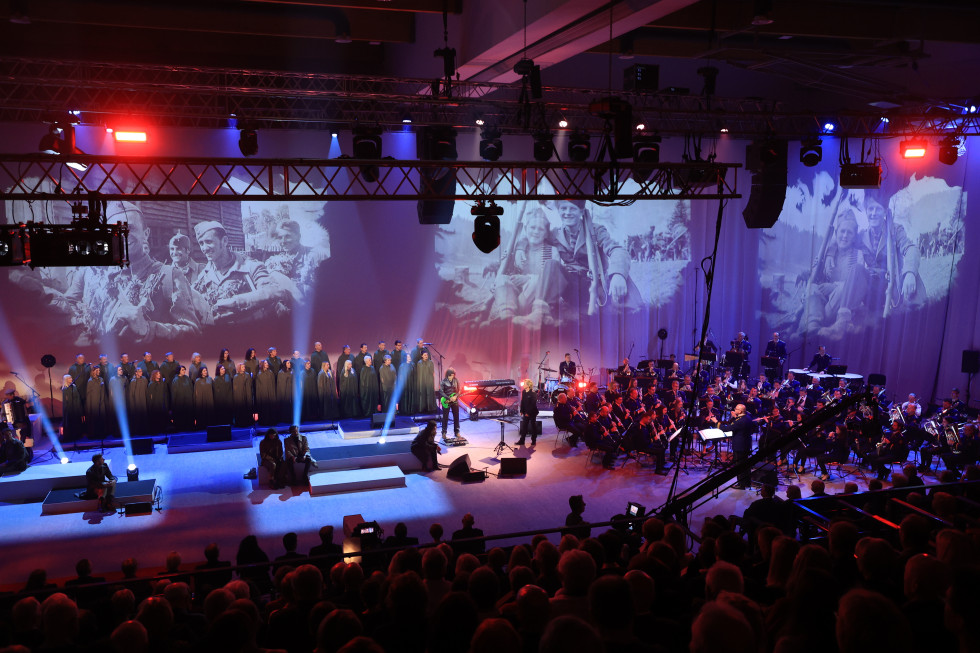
(770, 362)
(734, 359)
(665, 364)
(709, 357)
(836, 370)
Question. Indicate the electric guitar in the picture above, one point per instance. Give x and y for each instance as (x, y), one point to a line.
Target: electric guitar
(451, 399)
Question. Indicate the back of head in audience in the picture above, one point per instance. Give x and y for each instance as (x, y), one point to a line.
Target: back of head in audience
(568, 633)
(720, 628)
(857, 611)
(723, 576)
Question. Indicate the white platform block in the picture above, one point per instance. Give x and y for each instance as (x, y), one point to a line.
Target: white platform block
(350, 480)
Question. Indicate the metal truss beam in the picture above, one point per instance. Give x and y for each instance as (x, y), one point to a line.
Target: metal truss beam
(46, 177)
(208, 97)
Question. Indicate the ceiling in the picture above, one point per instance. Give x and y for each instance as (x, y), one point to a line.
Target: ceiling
(783, 66)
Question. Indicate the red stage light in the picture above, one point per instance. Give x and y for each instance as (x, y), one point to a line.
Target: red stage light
(130, 137)
(913, 148)
(581, 384)
(469, 388)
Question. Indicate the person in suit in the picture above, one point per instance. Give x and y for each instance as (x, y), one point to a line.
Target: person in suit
(742, 427)
(529, 413)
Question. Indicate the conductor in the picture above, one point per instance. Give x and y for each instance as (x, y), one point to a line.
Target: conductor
(742, 428)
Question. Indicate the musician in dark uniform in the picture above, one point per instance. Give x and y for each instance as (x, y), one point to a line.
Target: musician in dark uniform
(742, 347)
(776, 348)
(742, 428)
(566, 368)
(529, 413)
(567, 419)
(648, 439)
(602, 435)
(450, 402)
(821, 360)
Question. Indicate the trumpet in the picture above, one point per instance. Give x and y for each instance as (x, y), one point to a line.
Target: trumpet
(896, 414)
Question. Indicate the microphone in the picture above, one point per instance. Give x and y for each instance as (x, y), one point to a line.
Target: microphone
(426, 344)
(548, 352)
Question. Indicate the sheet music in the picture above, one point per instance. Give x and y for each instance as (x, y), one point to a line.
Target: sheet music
(714, 434)
(675, 434)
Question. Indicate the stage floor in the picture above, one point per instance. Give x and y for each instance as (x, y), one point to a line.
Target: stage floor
(206, 498)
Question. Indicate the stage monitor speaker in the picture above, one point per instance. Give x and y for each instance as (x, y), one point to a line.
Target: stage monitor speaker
(971, 361)
(142, 446)
(378, 420)
(474, 476)
(765, 474)
(537, 428)
(459, 467)
(876, 379)
(220, 433)
(513, 466)
(138, 508)
(767, 162)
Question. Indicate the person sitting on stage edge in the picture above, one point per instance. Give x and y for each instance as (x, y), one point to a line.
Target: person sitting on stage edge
(425, 448)
(297, 449)
(101, 482)
(271, 457)
(13, 454)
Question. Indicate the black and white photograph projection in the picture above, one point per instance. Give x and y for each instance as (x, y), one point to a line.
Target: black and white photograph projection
(195, 267)
(840, 261)
(564, 261)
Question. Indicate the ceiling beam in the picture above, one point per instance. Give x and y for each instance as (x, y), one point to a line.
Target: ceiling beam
(415, 6)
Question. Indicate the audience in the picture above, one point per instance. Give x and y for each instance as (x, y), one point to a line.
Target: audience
(744, 585)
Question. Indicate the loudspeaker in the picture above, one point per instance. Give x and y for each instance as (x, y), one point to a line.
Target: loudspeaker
(142, 446)
(138, 508)
(377, 420)
(220, 433)
(436, 211)
(876, 379)
(537, 428)
(474, 476)
(767, 162)
(765, 474)
(513, 466)
(459, 467)
(971, 361)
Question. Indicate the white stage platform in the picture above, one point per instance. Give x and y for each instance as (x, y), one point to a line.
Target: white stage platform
(36, 481)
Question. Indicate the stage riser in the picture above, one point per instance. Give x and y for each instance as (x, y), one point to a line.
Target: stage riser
(353, 480)
(241, 438)
(354, 429)
(34, 483)
(63, 502)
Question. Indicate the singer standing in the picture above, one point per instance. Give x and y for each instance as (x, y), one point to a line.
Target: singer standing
(529, 413)
(742, 428)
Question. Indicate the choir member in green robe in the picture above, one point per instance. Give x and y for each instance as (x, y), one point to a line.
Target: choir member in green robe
(326, 387)
(387, 375)
(224, 402)
(349, 404)
(95, 411)
(136, 405)
(252, 362)
(318, 357)
(158, 404)
(311, 399)
(71, 410)
(265, 395)
(204, 400)
(285, 392)
(182, 400)
(243, 389)
(116, 408)
(425, 384)
(368, 388)
(408, 402)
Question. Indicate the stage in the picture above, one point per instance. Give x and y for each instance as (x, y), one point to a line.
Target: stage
(205, 498)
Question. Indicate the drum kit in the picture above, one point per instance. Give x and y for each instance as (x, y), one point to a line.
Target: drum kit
(555, 385)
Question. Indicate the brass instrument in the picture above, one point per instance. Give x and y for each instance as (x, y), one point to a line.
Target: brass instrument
(896, 414)
(952, 437)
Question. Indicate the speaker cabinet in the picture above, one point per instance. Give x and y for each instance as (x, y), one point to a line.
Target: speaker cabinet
(537, 428)
(971, 361)
(513, 466)
(377, 420)
(142, 446)
(459, 467)
(220, 433)
(767, 163)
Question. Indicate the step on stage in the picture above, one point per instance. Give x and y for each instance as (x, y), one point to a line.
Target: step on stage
(353, 429)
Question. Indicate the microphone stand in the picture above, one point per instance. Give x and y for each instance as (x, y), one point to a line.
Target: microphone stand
(581, 368)
(34, 393)
(540, 382)
(441, 358)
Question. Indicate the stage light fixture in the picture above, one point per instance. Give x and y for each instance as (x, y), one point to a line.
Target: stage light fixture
(491, 147)
(912, 148)
(407, 119)
(479, 122)
(544, 146)
(486, 225)
(646, 149)
(829, 127)
(579, 146)
(640, 126)
(949, 149)
(129, 136)
(60, 140)
(64, 460)
(562, 124)
(132, 473)
(248, 141)
(723, 130)
(367, 145)
(811, 152)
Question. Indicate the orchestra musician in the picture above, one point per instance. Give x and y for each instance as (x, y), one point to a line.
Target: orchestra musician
(892, 448)
(912, 407)
(776, 348)
(836, 450)
(568, 419)
(600, 435)
(566, 369)
(650, 399)
(633, 403)
(954, 395)
(624, 369)
(741, 346)
(649, 438)
(821, 360)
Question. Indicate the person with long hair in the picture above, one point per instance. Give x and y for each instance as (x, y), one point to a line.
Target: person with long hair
(425, 448)
(251, 362)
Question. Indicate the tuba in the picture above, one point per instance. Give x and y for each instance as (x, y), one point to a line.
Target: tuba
(952, 437)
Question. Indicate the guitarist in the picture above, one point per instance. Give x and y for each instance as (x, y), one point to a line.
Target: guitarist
(450, 402)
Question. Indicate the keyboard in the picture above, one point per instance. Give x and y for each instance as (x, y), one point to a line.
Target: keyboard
(490, 383)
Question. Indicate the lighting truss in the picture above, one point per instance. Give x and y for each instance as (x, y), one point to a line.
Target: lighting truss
(206, 97)
(44, 177)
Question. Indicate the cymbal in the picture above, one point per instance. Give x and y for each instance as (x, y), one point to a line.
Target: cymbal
(547, 369)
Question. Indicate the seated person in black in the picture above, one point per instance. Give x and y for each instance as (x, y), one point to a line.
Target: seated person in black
(13, 453)
(101, 482)
(574, 524)
(567, 419)
(425, 448)
(602, 435)
(837, 450)
(648, 437)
